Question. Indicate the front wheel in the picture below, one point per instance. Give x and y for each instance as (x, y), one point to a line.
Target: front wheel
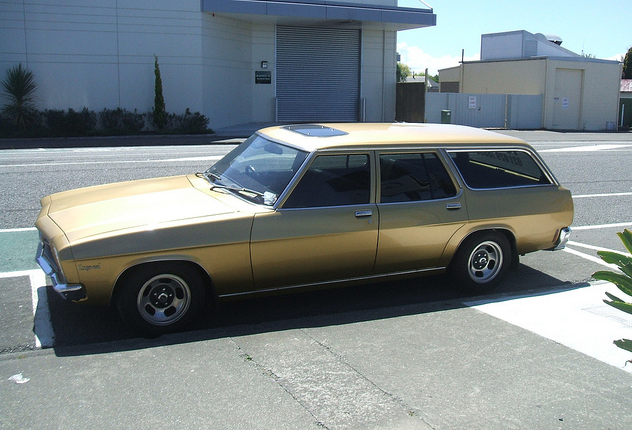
(160, 298)
(481, 262)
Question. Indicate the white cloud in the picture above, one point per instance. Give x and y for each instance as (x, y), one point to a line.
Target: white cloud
(418, 60)
(617, 57)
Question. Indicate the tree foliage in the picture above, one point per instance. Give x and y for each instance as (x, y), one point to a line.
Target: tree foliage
(403, 71)
(627, 65)
(622, 279)
(160, 112)
(19, 89)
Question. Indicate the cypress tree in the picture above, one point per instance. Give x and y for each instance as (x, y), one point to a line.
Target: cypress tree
(160, 113)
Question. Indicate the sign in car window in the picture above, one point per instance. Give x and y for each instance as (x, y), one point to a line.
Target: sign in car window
(499, 169)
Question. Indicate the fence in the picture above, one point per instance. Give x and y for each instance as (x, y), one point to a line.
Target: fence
(487, 110)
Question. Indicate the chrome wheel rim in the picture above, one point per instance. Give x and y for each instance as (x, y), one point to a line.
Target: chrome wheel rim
(485, 262)
(163, 300)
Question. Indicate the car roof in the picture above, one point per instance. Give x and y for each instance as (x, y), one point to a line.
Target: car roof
(319, 136)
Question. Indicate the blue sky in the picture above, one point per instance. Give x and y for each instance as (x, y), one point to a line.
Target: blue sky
(600, 28)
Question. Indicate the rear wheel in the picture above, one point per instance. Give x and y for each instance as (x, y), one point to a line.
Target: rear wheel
(160, 298)
(482, 261)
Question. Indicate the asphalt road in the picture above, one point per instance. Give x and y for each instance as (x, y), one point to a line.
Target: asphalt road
(266, 334)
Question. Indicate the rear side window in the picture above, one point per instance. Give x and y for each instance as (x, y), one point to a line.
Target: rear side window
(498, 169)
(413, 177)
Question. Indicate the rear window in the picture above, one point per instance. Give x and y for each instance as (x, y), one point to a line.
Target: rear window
(498, 169)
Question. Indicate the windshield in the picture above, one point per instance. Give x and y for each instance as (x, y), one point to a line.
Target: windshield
(258, 170)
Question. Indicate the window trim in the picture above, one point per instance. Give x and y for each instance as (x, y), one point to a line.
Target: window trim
(441, 156)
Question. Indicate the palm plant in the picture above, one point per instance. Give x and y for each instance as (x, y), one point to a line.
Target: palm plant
(19, 89)
(622, 280)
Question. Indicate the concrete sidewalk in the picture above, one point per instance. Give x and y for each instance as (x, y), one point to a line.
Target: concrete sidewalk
(422, 366)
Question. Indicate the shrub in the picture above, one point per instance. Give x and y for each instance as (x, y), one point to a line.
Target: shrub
(188, 123)
(121, 121)
(19, 89)
(622, 279)
(71, 123)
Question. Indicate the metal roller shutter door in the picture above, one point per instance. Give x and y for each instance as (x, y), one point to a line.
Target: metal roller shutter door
(318, 74)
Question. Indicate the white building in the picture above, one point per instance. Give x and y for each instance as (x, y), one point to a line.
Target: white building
(236, 61)
(578, 93)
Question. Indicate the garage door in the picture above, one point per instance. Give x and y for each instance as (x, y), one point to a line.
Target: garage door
(318, 74)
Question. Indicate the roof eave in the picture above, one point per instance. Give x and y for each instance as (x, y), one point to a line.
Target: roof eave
(300, 11)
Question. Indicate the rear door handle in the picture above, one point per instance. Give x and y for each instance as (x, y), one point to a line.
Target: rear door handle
(453, 206)
(360, 214)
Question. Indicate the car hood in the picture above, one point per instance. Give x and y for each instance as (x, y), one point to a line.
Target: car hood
(148, 203)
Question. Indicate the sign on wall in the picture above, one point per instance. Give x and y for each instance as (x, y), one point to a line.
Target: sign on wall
(263, 77)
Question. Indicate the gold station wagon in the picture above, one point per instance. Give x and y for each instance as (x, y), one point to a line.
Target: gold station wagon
(305, 206)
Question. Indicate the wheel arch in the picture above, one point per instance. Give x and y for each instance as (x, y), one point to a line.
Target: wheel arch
(208, 282)
(505, 231)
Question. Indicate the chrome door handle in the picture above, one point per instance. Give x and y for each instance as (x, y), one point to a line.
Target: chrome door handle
(453, 206)
(360, 214)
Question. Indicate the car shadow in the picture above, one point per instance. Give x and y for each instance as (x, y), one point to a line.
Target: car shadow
(82, 330)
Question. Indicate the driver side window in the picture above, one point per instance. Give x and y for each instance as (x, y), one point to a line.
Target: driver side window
(333, 180)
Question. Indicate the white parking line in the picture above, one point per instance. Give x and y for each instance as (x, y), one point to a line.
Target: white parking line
(576, 318)
(601, 226)
(81, 163)
(44, 334)
(587, 148)
(42, 327)
(583, 196)
(588, 257)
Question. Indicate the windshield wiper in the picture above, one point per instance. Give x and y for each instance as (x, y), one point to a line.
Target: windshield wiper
(237, 189)
(208, 175)
(267, 198)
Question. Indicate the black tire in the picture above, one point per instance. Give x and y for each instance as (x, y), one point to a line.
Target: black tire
(160, 298)
(481, 262)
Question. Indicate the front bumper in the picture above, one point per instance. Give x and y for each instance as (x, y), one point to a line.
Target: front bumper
(45, 259)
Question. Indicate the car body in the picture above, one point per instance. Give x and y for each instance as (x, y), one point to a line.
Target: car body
(305, 206)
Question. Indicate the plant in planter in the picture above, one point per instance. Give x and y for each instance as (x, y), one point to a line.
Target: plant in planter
(623, 280)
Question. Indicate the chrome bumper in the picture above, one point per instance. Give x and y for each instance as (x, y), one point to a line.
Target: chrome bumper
(565, 235)
(73, 292)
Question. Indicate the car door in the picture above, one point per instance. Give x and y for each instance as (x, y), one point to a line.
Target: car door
(325, 230)
(420, 208)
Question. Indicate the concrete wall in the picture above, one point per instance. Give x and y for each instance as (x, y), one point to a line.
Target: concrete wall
(100, 54)
(379, 70)
(507, 77)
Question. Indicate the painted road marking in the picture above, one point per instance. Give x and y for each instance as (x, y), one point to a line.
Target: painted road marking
(587, 148)
(583, 196)
(81, 163)
(601, 226)
(576, 318)
(42, 326)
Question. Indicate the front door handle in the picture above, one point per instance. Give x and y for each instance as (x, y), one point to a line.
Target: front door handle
(360, 214)
(453, 206)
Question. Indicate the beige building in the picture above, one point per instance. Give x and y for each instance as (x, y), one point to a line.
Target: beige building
(578, 93)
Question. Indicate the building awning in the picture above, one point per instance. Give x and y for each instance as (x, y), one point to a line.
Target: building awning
(323, 12)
